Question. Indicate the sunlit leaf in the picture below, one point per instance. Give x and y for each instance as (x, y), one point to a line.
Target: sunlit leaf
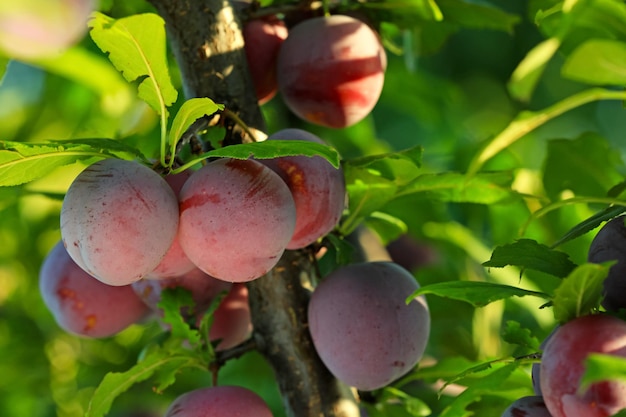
(598, 62)
(24, 162)
(529, 71)
(189, 112)
(476, 293)
(136, 46)
(270, 149)
(174, 302)
(527, 253)
(485, 188)
(580, 292)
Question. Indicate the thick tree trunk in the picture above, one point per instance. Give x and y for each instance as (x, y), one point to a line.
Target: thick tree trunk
(206, 38)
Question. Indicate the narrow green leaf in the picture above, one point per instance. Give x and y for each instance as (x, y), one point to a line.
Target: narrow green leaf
(476, 293)
(597, 62)
(528, 72)
(580, 292)
(590, 224)
(22, 162)
(366, 194)
(136, 47)
(527, 253)
(189, 112)
(386, 226)
(602, 367)
(270, 149)
(484, 188)
(414, 407)
(116, 383)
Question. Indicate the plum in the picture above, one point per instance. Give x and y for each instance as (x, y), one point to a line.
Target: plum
(361, 326)
(331, 70)
(318, 189)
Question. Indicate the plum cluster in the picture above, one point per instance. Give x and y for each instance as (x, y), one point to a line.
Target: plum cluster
(329, 70)
(128, 231)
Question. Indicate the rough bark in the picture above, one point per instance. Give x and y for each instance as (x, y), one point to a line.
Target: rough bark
(206, 39)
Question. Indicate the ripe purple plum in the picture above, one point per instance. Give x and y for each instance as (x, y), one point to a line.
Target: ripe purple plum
(331, 70)
(562, 366)
(223, 401)
(232, 323)
(175, 263)
(362, 329)
(527, 407)
(610, 245)
(317, 187)
(236, 219)
(118, 220)
(31, 29)
(263, 38)
(204, 288)
(81, 304)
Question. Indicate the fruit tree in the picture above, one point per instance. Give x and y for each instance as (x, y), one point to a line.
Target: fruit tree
(289, 208)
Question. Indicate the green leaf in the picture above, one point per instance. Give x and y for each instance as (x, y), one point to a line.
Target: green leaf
(270, 149)
(469, 14)
(175, 301)
(401, 167)
(590, 224)
(528, 72)
(492, 382)
(367, 194)
(393, 397)
(527, 253)
(597, 164)
(136, 47)
(4, 63)
(515, 334)
(189, 112)
(386, 226)
(484, 188)
(580, 293)
(418, 9)
(116, 383)
(598, 62)
(476, 293)
(602, 367)
(22, 162)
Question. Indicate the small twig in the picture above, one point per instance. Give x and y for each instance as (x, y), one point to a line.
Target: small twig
(222, 356)
(235, 118)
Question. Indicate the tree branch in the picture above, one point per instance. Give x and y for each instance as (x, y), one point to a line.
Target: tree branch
(206, 39)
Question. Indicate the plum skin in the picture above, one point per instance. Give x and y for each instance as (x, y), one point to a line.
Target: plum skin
(330, 70)
(220, 401)
(236, 218)
(610, 245)
(81, 304)
(175, 263)
(562, 366)
(118, 220)
(532, 406)
(263, 39)
(318, 189)
(361, 327)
